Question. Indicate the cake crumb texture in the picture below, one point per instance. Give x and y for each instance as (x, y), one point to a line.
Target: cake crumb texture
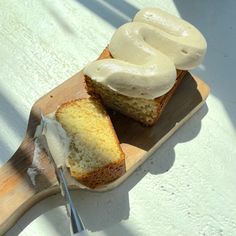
(96, 157)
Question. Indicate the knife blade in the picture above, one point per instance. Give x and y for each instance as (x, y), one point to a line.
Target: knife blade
(77, 226)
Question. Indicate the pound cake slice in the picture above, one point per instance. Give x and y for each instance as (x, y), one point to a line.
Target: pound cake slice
(146, 111)
(95, 156)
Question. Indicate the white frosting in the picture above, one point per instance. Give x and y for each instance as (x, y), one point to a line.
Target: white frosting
(147, 53)
(37, 149)
(57, 140)
(58, 144)
(36, 165)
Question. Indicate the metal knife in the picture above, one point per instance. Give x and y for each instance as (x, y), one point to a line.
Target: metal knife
(77, 227)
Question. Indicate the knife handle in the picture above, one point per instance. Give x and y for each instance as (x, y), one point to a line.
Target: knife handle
(82, 233)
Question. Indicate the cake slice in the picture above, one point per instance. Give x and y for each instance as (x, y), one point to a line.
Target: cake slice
(146, 111)
(95, 155)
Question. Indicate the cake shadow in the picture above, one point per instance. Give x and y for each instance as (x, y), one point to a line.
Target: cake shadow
(103, 211)
(184, 100)
(116, 13)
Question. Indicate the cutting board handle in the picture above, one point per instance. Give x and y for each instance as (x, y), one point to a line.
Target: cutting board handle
(17, 190)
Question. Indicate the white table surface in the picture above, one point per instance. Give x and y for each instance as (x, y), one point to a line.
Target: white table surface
(188, 187)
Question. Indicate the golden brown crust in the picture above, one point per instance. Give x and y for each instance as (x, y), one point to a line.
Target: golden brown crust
(102, 175)
(160, 102)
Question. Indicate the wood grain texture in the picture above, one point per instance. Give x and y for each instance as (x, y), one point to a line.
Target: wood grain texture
(18, 193)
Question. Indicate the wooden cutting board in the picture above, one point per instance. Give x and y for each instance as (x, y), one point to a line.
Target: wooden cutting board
(18, 192)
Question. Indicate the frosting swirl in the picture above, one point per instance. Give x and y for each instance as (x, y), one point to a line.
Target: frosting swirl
(146, 54)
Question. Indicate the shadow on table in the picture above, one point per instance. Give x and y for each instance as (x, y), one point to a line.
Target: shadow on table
(58, 18)
(13, 119)
(113, 12)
